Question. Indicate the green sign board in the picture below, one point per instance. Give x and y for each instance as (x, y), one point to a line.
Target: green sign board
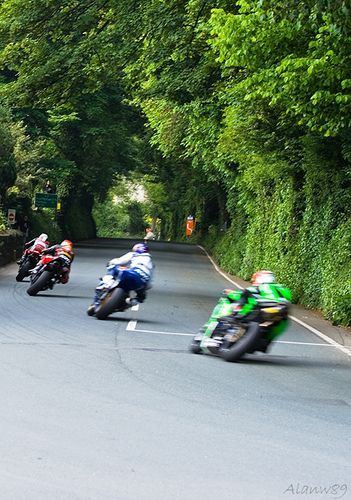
(45, 200)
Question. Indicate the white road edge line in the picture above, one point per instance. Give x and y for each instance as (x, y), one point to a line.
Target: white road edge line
(218, 270)
(327, 339)
(319, 334)
(301, 343)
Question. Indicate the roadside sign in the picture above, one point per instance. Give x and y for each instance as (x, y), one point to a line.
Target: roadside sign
(45, 200)
(11, 216)
(190, 225)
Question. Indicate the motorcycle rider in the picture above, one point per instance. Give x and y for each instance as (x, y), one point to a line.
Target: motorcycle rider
(137, 265)
(38, 244)
(64, 251)
(241, 302)
(264, 285)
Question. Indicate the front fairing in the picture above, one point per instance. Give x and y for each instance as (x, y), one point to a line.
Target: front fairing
(223, 308)
(109, 282)
(107, 285)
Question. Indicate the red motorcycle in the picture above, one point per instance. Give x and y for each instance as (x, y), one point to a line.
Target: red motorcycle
(49, 272)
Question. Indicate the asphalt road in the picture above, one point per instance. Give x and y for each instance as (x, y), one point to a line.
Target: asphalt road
(119, 409)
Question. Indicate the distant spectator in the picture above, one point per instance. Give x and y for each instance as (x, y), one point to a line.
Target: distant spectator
(149, 235)
(48, 188)
(24, 226)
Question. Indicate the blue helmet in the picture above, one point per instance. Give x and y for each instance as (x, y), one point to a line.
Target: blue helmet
(140, 248)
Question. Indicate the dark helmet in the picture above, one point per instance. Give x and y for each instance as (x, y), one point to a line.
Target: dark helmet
(140, 248)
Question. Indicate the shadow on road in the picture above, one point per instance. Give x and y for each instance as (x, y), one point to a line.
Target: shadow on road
(55, 296)
(272, 360)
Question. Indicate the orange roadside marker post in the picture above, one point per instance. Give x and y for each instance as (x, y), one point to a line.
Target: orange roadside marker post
(190, 226)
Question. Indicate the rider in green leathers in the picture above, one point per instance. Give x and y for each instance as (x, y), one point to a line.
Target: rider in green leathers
(241, 302)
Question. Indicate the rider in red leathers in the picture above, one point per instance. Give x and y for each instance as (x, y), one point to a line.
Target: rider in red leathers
(64, 250)
(36, 245)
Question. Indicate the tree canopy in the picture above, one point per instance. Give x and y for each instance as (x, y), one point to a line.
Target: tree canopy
(237, 112)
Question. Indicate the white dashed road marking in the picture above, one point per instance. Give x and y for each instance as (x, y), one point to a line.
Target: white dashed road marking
(132, 328)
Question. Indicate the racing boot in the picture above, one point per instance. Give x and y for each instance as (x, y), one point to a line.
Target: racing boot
(98, 292)
(91, 310)
(131, 301)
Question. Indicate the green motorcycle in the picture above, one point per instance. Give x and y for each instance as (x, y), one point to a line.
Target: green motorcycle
(244, 322)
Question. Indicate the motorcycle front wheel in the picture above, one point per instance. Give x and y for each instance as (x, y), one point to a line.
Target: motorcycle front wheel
(24, 270)
(233, 350)
(40, 283)
(111, 303)
(195, 346)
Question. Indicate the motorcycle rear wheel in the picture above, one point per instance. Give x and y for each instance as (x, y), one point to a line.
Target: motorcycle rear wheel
(233, 351)
(111, 303)
(23, 271)
(40, 284)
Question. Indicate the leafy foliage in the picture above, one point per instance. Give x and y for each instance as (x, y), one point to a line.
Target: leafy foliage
(236, 112)
(122, 213)
(7, 160)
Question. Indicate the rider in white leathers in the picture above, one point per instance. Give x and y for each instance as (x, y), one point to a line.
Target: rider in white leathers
(136, 266)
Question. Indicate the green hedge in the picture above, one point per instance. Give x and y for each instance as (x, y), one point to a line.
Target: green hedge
(287, 214)
(310, 253)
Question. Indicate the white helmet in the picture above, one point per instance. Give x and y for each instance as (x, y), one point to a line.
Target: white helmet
(262, 277)
(43, 237)
(140, 248)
